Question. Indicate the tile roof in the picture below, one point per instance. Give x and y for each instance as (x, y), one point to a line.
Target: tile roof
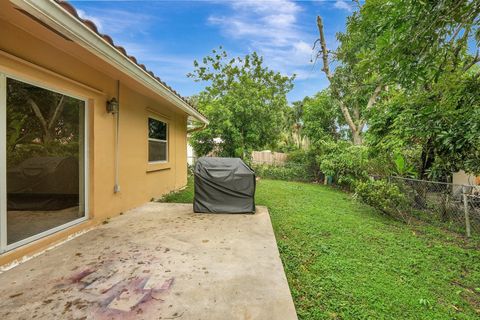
(88, 23)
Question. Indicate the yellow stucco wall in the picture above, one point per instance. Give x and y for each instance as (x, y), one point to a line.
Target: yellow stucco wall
(33, 53)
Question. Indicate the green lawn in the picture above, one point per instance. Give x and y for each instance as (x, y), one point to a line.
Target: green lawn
(344, 260)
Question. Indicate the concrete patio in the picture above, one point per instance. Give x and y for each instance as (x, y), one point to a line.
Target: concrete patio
(159, 261)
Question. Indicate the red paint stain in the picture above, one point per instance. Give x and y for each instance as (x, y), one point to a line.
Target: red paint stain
(137, 285)
(76, 278)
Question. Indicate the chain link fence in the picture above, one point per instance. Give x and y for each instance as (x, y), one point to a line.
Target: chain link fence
(454, 206)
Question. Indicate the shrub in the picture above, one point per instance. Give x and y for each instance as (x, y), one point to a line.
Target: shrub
(384, 196)
(297, 156)
(345, 162)
(307, 159)
(289, 172)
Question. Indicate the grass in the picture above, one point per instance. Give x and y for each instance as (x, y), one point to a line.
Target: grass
(344, 260)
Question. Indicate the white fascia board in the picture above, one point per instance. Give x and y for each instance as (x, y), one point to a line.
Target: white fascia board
(56, 17)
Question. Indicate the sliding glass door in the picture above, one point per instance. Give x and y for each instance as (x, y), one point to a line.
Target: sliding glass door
(43, 161)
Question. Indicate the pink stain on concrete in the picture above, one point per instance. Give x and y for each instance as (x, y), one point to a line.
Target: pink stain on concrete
(129, 298)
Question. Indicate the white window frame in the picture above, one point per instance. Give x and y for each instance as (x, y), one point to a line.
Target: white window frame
(157, 140)
(4, 247)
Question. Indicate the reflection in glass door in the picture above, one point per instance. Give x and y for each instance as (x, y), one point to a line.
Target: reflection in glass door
(45, 161)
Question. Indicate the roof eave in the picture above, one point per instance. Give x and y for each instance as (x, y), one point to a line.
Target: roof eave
(56, 17)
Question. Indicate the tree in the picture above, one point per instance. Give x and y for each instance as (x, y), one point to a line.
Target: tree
(415, 41)
(408, 71)
(355, 88)
(428, 53)
(406, 43)
(321, 118)
(293, 136)
(244, 101)
(440, 125)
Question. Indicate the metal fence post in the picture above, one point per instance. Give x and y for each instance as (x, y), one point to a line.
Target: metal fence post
(465, 209)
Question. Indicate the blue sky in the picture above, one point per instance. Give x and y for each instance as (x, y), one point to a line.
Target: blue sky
(167, 36)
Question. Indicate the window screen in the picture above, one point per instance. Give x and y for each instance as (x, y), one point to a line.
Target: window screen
(157, 140)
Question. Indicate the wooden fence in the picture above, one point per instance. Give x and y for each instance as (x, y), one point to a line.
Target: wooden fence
(268, 157)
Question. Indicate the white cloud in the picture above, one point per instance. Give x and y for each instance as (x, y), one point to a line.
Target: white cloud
(82, 14)
(125, 26)
(342, 4)
(116, 21)
(272, 29)
(281, 6)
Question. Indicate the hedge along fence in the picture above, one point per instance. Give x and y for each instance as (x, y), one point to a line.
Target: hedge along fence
(289, 172)
(449, 206)
(299, 165)
(446, 205)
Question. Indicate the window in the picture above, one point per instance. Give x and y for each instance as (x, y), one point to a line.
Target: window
(157, 140)
(43, 171)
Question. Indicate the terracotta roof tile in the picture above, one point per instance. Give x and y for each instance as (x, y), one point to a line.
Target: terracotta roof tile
(91, 25)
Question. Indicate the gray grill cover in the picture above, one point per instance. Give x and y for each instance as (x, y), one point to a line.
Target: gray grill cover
(223, 185)
(43, 183)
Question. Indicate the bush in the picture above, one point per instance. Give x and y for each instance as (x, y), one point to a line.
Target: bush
(384, 196)
(345, 162)
(288, 172)
(297, 156)
(307, 159)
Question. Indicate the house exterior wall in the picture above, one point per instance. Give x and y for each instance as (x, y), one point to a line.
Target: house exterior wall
(461, 177)
(32, 53)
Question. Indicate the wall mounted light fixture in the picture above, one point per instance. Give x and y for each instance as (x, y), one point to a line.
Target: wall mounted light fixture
(112, 106)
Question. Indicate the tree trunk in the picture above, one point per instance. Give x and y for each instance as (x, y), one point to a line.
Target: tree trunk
(48, 125)
(357, 123)
(47, 137)
(427, 157)
(357, 137)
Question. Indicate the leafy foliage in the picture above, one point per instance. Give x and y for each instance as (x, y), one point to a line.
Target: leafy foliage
(354, 86)
(293, 134)
(442, 124)
(345, 162)
(384, 196)
(288, 172)
(403, 168)
(244, 101)
(425, 56)
(321, 117)
(300, 166)
(415, 41)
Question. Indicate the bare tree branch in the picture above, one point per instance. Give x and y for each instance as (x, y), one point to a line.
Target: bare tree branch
(324, 50)
(326, 70)
(371, 102)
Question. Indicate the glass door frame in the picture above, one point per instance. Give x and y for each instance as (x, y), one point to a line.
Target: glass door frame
(4, 247)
